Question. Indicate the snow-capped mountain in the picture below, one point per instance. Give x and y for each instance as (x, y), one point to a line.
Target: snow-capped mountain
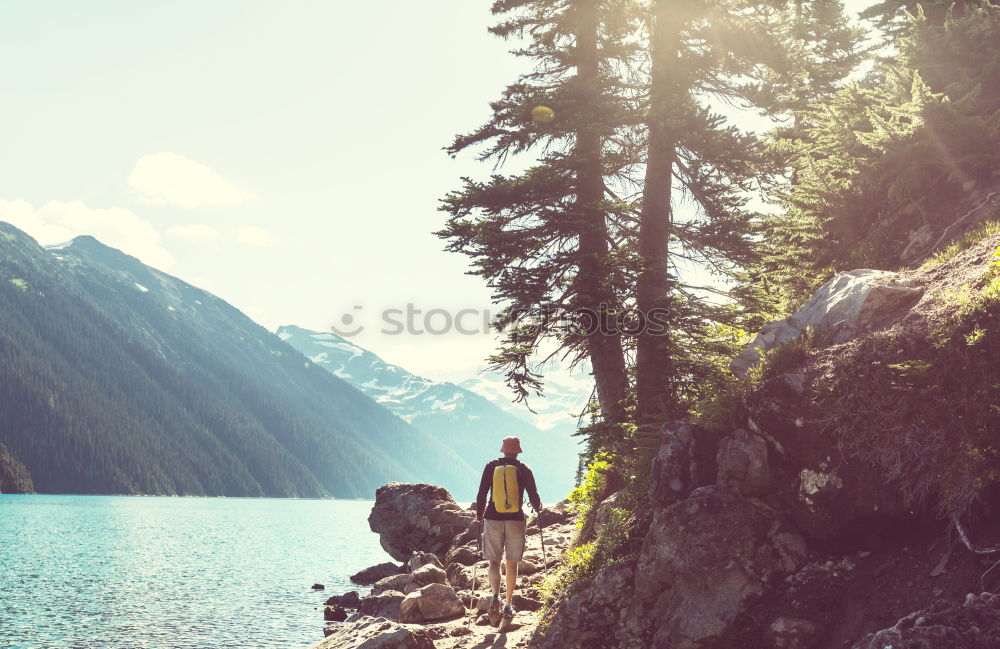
(473, 424)
(565, 395)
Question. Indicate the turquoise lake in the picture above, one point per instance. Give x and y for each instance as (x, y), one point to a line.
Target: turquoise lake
(195, 573)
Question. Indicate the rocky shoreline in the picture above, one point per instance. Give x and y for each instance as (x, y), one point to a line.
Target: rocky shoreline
(427, 601)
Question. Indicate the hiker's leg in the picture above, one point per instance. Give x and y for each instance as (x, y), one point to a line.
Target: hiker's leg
(511, 579)
(514, 550)
(493, 551)
(495, 577)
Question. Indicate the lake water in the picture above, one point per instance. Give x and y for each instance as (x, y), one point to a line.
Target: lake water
(193, 573)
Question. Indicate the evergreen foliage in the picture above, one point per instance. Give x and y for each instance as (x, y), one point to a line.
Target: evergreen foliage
(14, 478)
(891, 154)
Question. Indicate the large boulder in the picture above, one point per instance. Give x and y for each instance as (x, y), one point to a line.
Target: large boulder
(411, 517)
(591, 618)
(431, 603)
(375, 633)
(382, 605)
(974, 624)
(428, 574)
(372, 574)
(704, 561)
(850, 303)
(463, 554)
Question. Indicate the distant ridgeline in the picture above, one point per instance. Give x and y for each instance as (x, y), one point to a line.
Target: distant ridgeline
(117, 378)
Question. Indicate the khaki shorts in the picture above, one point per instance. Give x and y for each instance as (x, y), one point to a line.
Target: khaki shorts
(503, 538)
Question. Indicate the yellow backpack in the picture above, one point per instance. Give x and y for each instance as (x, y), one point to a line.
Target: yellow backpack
(506, 492)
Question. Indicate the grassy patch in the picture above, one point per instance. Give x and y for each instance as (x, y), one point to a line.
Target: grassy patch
(985, 229)
(724, 410)
(923, 407)
(585, 559)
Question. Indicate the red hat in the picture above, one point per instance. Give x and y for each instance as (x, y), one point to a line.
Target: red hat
(511, 445)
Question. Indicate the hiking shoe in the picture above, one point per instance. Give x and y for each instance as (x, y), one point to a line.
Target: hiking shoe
(508, 611)
(494, 611)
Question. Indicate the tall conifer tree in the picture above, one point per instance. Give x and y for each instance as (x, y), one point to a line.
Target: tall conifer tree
(545, 240)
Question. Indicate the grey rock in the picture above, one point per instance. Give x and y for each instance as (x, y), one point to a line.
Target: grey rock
(460, 576)
(372, 574)
(395, 582)
(431, 603)
(703, 562)
(374, 633)
(419, 559)
(350, 599)
(464, 555)
(673, 470)
(526, 568)
(590, 618)
(522, 603)
(742, 463)
(847, 305)
(558, 514)
(410, 517)
(382, 605)
(429, 574)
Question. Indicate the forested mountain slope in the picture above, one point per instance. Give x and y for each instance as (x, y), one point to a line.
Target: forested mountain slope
(118, 378)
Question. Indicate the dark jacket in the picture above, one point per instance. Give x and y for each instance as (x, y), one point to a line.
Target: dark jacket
(525, 482)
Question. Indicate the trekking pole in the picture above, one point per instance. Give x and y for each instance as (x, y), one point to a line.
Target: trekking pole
(475, 568)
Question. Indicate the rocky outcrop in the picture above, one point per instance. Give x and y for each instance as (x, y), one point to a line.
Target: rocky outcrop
(593, 617)
(704, 561)
(850, 303)
(375, 633)
(974, 624)
(412, 517)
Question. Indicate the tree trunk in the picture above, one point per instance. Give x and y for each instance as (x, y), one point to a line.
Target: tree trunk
(655, 381)
(594, 281)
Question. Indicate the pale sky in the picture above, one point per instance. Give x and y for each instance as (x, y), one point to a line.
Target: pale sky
(284, 155)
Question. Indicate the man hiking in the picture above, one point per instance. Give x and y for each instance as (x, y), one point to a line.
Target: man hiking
(506, 479)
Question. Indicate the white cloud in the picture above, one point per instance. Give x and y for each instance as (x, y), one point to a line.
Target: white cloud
(59, 221)
(166, 178)
(194, 232)
(254, 236)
